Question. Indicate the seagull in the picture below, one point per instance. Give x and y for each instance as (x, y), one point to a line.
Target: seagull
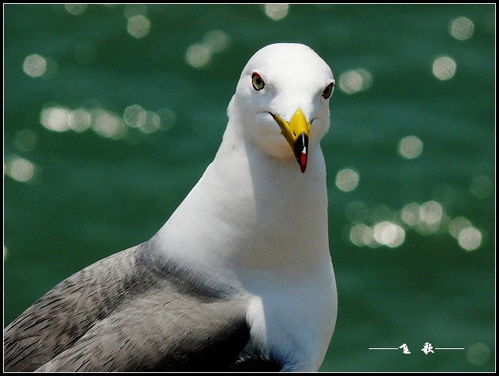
(240, 276)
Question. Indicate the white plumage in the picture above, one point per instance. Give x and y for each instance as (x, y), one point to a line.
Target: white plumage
(256, 221)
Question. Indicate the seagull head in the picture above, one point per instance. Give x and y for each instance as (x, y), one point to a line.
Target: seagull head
(282, 100)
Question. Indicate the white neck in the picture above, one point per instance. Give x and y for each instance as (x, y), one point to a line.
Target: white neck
(252, 210)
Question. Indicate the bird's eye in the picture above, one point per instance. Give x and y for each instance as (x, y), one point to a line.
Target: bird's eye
(257, 81)
(328, 90)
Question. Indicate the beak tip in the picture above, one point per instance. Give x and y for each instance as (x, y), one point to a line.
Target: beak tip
(303, 162)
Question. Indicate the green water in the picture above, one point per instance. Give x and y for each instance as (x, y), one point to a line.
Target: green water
(112, 113)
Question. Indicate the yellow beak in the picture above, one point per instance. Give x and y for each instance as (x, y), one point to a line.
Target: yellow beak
(296, 132)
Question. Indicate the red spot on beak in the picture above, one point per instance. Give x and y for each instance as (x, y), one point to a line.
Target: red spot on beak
(303, 162)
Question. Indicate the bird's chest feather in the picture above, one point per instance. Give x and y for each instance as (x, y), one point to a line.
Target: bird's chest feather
(293, 322)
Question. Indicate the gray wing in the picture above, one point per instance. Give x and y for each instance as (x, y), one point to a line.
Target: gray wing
(120, 315)
(64, 314)
(133, 311)
(160, 333)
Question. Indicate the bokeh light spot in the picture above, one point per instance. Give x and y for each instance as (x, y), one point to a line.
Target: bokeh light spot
(35, 65)
(478, 354)
(461, 28)
(138, 26)
(152, 123)
(470, 238)
(431, 218)
(431, 212)
(457, 224)
(389, 234)
(135, 116)
(79, 120)
(198, 55)
(276, 12)
(55, 118)
(354, 81)
(75, 9)
(108, 125)
(410, 147)
(444, 68)
(216, 40)
(410, 214)
(347, 180)
(20, 169)
(361, 235)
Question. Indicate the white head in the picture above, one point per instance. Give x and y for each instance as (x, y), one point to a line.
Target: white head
(282, 100)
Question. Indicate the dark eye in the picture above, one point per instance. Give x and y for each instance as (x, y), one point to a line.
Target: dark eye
(257, 81)
(328, 90)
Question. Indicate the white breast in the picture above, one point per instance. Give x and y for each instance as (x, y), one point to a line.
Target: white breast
(259, 224)
(293, 316)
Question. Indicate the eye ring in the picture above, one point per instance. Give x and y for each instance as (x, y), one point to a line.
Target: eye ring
(257, 81)
(328, 90)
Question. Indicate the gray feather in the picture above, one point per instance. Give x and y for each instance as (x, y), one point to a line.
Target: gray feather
(129, 312)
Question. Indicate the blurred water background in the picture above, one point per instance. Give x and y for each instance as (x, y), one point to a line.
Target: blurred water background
(112, 113)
